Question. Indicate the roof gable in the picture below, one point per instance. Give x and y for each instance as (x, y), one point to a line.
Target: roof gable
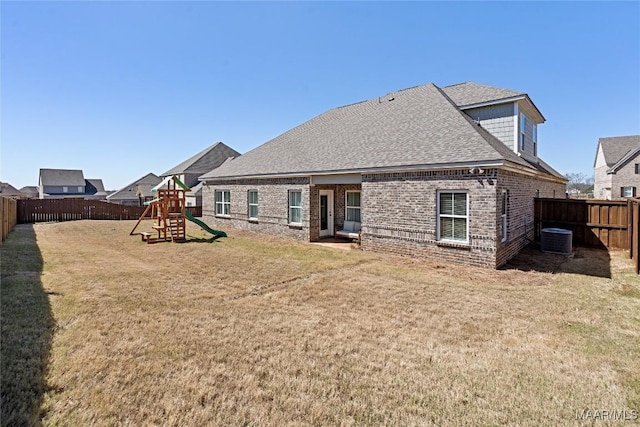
(62, 177)
(204, 161)
(411, 127)
(130, 191)
(616, 148)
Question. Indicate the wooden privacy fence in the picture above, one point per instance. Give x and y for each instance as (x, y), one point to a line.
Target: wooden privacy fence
(8, 215)
(634, 231)
(601, 223)
(45, 210)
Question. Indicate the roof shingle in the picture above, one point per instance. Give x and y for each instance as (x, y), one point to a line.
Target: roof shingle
(616, 147)
(412, 127)
(206, 160)
(62, 177)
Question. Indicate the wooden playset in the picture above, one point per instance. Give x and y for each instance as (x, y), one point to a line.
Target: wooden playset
(169, 213)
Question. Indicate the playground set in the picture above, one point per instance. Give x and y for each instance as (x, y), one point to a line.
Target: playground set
(169, 214)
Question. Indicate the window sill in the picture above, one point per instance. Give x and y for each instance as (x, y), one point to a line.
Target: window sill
(223, 216)
(253, 220)
(295, 226)
(453, 244)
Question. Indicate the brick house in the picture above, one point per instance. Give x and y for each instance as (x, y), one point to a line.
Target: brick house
(617, 167)
(429, 172)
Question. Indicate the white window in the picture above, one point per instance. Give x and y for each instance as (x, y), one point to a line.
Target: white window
(253, 204)
(353, 206)
(523, 129)
(628, 191)
(223, 203)
(535, 140)
(65, 189)
(80, 189)
(453, 218)
(503, 215)
(295, 207)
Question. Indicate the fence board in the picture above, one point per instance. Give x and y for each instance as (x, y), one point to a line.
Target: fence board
(57, 210)
(8, 216)
(633, 218)
(601, 223)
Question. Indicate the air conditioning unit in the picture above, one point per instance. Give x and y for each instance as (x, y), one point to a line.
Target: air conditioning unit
(556, 241)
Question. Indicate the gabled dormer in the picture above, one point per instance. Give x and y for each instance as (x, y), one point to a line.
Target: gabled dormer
(509, 115)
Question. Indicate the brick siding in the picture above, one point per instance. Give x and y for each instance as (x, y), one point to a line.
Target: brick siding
(273, 206)
(399, 211)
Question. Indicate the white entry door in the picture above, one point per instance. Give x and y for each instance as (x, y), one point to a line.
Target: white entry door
(326, 213)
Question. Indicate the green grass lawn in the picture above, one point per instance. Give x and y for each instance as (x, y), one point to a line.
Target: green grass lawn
(99, 328)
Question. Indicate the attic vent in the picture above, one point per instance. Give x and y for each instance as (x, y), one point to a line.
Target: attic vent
(556, 241)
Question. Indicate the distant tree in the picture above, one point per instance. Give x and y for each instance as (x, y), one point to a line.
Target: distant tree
(579, 183)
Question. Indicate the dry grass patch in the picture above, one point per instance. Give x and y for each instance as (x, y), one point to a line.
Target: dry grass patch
(258, 330)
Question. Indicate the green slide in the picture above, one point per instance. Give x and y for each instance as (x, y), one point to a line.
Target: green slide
(204, 226)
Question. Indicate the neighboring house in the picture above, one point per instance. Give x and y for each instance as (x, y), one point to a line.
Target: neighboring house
(68, 183)
(29, 192)
(94, 189)
(136, 193)
(203, 162)
(194, 197)
(617, 167)
(8, 190)
(445, 173)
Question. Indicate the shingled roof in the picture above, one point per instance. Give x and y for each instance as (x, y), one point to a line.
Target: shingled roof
(8, 190)
(62, 177)
(206, 160)
(130, 191)
(617, 147)
(416, 127)
(469, 93)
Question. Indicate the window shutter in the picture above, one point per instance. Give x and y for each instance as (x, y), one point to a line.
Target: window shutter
(633, 192)
(621, 191)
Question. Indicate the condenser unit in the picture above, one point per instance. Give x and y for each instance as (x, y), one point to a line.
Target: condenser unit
(556, 241)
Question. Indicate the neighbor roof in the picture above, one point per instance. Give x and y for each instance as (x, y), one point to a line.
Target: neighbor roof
(417, 127)
(7, 189)
(30, 191)
(615, 148)
(61, 177)
(97, 184)
(206, 160)
(130, 192)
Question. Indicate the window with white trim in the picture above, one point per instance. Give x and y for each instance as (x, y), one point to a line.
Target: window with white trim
(295, 207)
(535, 139)
(65, 189)
(352, 205)
(253, 204)
(453, 218)
(223, 203)
(523, 129)
(503, 215)
(628, 191)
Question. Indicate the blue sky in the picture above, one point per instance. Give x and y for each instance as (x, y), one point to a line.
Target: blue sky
(120, 89)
